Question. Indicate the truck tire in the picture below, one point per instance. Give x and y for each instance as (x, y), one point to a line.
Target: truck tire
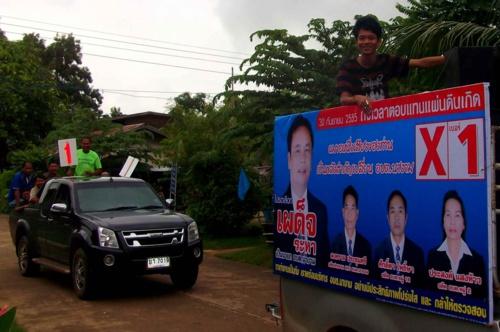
(185, 275)
(24, 258)
(83, 276)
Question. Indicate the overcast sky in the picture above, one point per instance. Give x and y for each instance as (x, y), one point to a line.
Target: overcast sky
(219, 29)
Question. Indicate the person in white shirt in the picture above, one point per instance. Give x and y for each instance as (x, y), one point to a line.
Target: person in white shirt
(453, 263)
(34, 193)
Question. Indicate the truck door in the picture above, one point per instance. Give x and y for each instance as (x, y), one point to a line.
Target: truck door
(61, 227)
(43, 218)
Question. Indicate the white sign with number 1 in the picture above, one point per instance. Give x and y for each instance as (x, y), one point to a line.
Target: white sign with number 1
(67, 152)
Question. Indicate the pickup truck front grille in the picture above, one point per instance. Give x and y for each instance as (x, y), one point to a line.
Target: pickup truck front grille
(157, 237)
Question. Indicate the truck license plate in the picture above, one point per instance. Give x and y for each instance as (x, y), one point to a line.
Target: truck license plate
(155, 262)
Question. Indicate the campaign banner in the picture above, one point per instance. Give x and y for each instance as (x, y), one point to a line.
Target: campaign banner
(392, 205)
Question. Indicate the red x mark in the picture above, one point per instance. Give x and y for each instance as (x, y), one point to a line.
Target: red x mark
(432, 157)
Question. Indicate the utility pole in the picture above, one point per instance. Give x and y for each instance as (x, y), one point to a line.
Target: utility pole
(232, 74)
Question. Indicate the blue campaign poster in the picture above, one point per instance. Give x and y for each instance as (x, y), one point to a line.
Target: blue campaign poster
(392, 205)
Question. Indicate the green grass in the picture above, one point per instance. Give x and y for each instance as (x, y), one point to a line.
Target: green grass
(261, 255)
(232, 242)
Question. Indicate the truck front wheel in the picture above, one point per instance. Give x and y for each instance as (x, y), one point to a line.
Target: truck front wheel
(84, 279)
(185, 275)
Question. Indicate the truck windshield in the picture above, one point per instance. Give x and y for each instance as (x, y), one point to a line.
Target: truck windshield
(116, 196)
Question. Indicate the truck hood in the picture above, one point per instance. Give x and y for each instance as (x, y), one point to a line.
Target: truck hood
(137, 219)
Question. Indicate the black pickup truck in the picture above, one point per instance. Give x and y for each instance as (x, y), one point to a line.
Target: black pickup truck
(93, 227)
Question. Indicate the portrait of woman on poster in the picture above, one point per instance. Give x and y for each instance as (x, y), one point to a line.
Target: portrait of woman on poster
(454, 256)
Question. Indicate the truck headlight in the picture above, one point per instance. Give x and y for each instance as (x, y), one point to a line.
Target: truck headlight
(107, 238)
(193, 233)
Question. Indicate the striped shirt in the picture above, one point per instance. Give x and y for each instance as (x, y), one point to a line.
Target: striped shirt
(371, 82)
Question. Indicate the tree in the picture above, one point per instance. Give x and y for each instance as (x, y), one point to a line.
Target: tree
(292, 76)
(107, 137)
(115, 111)
(290, 70)
(209, 164)
(28, 95)
(36, 83)
(108, 140)
(74, 81)
(431, 27)
(434, 26)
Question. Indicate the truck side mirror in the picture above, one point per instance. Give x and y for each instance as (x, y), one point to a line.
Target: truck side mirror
(59, 208)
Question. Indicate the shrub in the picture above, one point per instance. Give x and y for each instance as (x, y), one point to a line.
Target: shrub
(5, 178)
(212, 198)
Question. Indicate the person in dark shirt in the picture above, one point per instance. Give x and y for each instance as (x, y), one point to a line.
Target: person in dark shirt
(397, 257)
(351, 250)
(52, 170)
(21, 185)
(300, 141)
(365, 78)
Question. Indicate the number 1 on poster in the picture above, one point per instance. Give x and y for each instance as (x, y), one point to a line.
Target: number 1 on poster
(450, 150)
(67, 151)
(468, 136)
(466, 149)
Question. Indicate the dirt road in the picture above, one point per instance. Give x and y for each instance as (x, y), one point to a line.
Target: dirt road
(227, 297)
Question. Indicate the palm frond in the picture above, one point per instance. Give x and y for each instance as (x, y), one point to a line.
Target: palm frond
(436, 37)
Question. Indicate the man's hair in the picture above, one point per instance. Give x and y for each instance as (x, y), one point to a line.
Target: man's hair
(349, 190)
(298, 122)
(27, 162)
(368, 22)
(392, 195)
(40, 175)
(86, 137)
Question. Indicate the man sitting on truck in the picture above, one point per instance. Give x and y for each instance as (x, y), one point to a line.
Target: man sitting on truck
(299, 199)
(351, 251)
(21, 185)
(365, 78)
(398, 258)
(52, 170)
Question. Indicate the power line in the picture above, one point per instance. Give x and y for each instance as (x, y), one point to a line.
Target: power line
(122, 35)
(142, 51)
(155, 91)
(136, 96)
(157, 63)
(164, 54)
(147, 97)
(126, 42)
(40, 85)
